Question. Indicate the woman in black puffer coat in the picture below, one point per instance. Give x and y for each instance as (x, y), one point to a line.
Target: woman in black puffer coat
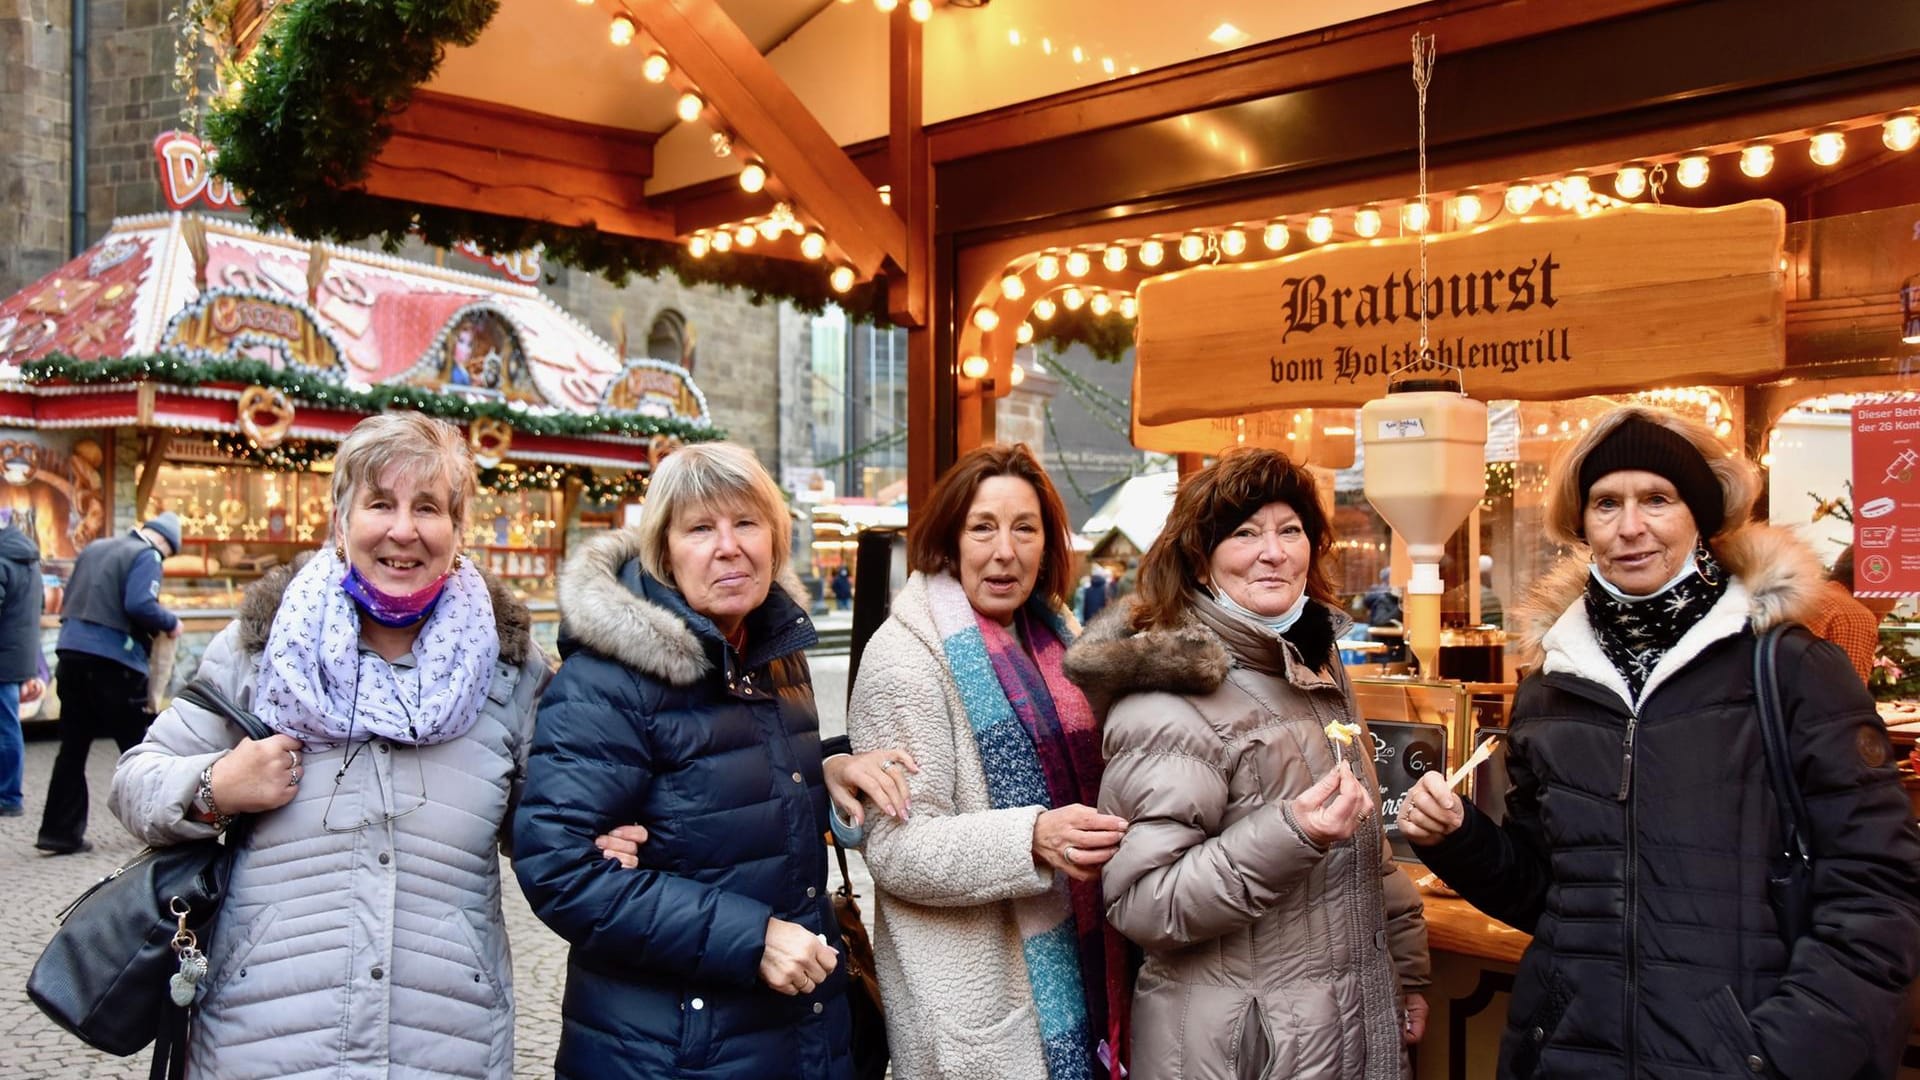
(1641, 820)
(683, 703)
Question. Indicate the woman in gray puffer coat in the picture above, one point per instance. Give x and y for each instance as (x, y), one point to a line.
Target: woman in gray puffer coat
(1280, 938)
(361, 934)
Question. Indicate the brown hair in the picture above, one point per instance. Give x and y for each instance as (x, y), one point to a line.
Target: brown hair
(1209, 506)
(1566, 505)
(933, 543)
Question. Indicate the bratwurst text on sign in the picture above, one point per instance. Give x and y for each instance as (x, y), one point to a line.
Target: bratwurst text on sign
(1545, 308)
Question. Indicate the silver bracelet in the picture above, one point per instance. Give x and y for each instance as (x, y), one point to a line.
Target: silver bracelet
(203, 797)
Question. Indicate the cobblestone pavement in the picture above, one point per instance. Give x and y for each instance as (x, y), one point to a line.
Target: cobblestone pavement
(34, 886)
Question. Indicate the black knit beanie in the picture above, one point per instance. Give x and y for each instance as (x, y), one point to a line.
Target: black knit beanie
(1642, 445)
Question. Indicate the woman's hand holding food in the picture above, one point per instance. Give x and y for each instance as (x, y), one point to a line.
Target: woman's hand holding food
(1430, 811)
(795, 959)
(880, 775)
(258, 775)
(1077, 840)
(1328, 811)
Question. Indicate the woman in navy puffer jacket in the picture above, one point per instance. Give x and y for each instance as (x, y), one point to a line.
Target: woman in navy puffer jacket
(684, 704)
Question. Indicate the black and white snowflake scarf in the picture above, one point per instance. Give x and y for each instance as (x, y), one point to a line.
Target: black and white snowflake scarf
(1636, 634)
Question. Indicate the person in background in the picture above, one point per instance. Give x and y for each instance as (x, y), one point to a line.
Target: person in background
(361, 933)
(110, 617)
(1094, 600)
(1851, 622)
(842, 588)
(1491, 611)
(1641, 828)
(20, 660)
(1281, 938)
(1383, 607)
(995, 959)
(684, 706)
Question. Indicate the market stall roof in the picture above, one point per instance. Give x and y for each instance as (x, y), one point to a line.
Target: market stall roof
(346, 318)
(1137, 510)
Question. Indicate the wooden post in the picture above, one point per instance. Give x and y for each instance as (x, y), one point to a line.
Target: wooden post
(157, 441)
(1190, 463)
(910, 287)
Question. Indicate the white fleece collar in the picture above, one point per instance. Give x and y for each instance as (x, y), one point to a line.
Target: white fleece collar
(1572, 647)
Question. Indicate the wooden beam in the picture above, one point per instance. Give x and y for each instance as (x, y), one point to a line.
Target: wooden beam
(802, 159)
(157, 441)
(908, 286)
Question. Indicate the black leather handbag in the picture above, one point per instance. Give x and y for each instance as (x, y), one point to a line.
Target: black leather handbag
(104, 975)
(1790, 871)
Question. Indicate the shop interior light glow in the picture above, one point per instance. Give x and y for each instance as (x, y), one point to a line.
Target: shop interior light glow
(1756, 161)
(1691, 171)
(1521, 197)
(1320, 228)
(1630, 182)
(1827, 148)
(1901, 133)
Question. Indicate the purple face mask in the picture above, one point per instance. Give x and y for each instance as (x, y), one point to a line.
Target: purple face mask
(389, 610)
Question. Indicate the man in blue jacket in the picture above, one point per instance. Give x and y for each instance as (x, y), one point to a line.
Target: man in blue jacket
(111, 616)
(20, 662)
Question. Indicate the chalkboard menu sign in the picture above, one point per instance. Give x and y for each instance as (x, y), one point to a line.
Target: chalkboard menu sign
(1402, 752)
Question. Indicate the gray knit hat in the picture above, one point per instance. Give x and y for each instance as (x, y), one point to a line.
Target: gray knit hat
(168, 526)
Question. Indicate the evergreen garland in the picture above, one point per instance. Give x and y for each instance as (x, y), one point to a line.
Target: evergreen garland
(331, 394)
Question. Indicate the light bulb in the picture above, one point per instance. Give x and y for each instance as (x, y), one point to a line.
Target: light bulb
(1129, 307)
(1023, 334)
(697, 245)
(1017, 376)
(1414, 216)
(689, 106)
(1576, 189)
(1101, 305)
(1691, 171)
(1044, 309)
(723, 241)
(1757, 160)
(1233, 242)
(975, 367)
(1366, 222)
(841, 279)
(746, 236)
(1073, 299)
(1192, 247)
(1114, 258)
(1630, 182)
(986, 318)
(1047, 267)
(771, 228)
(1827, 147)
(1012, 287)
(1274, 236)
(753, 177)
(620, 31)
(1901, 133)
(1152, 253)
(1078, 264)
(921, 10)
(1467, 208)
(813, 245)
(884, 6)
(1319, 228)
(1521, 197)
(655, 68)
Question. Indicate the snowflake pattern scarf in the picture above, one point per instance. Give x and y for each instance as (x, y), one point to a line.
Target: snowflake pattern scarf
(1635, 635)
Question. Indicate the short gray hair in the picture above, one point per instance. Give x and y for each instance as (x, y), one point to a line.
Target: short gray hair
(709, 474)
(426, 448)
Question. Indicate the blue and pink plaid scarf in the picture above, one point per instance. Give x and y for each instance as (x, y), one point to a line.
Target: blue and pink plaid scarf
(1040, 746)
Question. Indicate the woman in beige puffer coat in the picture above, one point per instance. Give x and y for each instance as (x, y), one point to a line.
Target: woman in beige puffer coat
(1280, 939)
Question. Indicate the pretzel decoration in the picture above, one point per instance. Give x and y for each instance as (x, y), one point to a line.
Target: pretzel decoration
(490, 438)
(660, 446)
(265, 416)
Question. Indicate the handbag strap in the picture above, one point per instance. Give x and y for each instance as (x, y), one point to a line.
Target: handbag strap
(1773, 737)
(840, 853)
(206, 695)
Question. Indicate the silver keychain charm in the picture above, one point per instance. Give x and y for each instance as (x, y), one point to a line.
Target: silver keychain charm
(184, 985)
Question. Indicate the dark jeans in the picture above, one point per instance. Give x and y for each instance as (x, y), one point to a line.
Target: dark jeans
(97, 698)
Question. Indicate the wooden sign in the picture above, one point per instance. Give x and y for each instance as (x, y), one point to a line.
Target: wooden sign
(1536, 309)
(655, 388)
(186, 173)
(237, 323)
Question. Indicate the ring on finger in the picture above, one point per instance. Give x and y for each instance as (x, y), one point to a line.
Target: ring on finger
(1070, 857)
(890, 764)
(293, 758)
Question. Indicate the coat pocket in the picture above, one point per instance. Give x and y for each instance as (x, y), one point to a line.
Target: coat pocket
(229, 960)
(1254, 1054)
(992, 1050)
(696, 1030)
(1738, 1046)
(1536, 1033)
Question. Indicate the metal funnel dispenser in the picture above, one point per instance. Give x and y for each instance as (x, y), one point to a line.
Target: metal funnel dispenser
(1426, 445)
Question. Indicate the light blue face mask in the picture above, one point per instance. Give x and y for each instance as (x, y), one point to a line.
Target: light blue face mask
(1279, 624)
(1692, 567)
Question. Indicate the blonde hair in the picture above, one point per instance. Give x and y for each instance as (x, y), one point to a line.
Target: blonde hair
(425, 449)
(709, 474)
(1566, 506)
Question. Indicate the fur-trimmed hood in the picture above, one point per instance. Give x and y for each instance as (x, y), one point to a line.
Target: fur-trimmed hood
(1112, 659)
(1780, 575)
(602, 609)
(261, 601)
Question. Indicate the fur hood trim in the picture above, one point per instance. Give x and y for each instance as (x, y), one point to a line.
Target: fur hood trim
(1781, 575)
(601, 612)
(1112, 660)
(511, 620)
